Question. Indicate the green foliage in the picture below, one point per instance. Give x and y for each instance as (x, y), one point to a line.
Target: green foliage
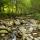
(20, 8)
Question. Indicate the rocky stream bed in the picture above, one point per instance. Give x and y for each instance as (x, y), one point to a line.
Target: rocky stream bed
(19, 28)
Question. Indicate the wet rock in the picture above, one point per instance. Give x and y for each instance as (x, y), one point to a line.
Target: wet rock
(2, 35)
(17, 22)
(8, 23)
(36, 39)
(35, 35)
(22, 29)
(38, 34)
(38, 26)
(23, 21)
(30, 29)
(3, 31)
(29, 38)
(2, 26)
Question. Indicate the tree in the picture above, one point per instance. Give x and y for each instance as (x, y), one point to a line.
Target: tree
(1, 4)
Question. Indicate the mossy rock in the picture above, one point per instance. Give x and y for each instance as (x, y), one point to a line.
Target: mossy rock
(3, 31)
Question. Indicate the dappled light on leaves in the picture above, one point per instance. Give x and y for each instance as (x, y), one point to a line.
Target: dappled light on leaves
(14, 9)
(20, 7)
(27, 3)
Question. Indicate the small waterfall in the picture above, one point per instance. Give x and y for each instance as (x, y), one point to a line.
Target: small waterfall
(13, 36)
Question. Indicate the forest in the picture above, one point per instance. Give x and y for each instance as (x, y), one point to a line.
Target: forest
(19, 19)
